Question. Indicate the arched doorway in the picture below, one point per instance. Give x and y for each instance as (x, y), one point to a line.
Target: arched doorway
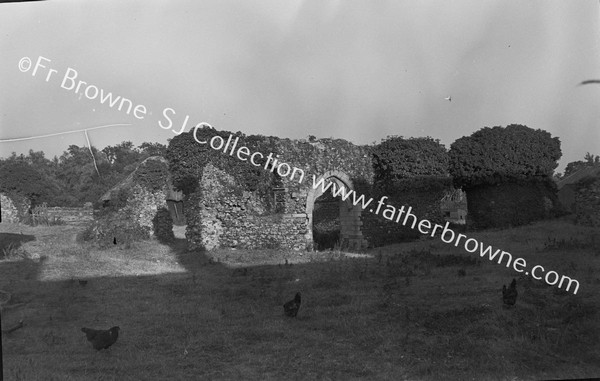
(350, 234)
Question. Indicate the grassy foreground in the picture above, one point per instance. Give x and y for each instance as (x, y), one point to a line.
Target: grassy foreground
(419, 311)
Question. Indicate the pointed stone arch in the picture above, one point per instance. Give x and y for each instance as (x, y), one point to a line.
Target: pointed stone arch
(350, 215)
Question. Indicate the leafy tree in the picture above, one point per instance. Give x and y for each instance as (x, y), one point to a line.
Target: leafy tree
(589, 160)
(47, 169)
(398, 158)
(72, 179)
(496, 155)
(77, 172)
(38, 160)
(152, 149)
(574, 166)
(20, 178)
(123, 157)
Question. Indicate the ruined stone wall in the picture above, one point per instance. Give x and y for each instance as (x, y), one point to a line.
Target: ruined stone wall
(323, 155)
(143, 204)
(13, 208)
(222, 213)
(131, 207)
(229, 202)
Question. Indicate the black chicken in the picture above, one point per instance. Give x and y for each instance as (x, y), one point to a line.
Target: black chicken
(101, 339)
(509, 296)
(291, 308)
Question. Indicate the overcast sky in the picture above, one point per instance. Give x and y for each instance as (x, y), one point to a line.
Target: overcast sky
(357, 70)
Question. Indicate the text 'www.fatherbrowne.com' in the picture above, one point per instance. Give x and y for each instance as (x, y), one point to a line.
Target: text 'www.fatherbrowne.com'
(447, 235)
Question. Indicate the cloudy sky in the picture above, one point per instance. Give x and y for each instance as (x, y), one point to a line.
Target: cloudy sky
(357, 70)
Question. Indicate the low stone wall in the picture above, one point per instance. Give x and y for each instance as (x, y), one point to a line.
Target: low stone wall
(71, 216)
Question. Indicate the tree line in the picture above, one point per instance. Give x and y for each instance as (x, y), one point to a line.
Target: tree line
(75, 177)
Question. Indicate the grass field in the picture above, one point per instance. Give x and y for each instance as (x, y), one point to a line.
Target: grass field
(419, 311)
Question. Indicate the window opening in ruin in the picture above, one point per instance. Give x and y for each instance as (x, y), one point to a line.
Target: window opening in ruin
(176, 211)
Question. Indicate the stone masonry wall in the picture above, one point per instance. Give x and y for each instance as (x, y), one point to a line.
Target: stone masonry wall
(223, 214)
(10, 213)
(72, 216)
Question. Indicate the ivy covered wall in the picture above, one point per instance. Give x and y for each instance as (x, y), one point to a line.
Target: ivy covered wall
(129, 211)
(230, 202)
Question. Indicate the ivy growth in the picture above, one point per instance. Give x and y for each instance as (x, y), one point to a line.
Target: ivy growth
(397, 158)
(152, 174)
(187, 158)
(496, 155)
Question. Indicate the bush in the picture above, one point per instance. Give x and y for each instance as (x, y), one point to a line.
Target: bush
(509, 204)
(496, 155)
(398, 158)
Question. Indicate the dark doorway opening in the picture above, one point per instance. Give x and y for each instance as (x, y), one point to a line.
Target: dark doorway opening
(176, 211)
(326, 222)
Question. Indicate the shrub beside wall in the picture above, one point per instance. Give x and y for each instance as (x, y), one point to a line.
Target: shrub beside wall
(587, 203)
(422, 194)
(510, 203)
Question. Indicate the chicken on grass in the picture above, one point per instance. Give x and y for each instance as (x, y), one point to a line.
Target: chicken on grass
(291, 308)
(509, 295)
(101, 339)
